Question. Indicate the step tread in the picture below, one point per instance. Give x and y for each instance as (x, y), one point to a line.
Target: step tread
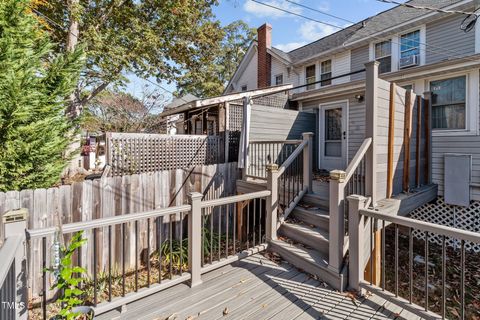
(309, 255)
(307, 230)
(313, 210)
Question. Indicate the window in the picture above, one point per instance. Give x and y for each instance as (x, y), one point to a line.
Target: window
(278, 79)
(410, 44)
(448, 103)
(326, 73)
(310, 77)
(383, 54)
(244, 88)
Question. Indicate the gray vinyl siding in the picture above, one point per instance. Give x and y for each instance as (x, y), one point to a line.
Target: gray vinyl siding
(446, 34)
(356, 127)
(460, 145)
(359, 57)
(280, 124)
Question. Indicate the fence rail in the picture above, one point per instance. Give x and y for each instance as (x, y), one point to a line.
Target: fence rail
(207, 239)
(365, 223)
(133, 153)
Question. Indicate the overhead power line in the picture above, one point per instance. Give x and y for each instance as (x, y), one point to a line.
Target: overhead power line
(428, 47)
(413, 6)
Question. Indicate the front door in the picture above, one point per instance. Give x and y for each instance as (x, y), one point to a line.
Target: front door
(333, 136)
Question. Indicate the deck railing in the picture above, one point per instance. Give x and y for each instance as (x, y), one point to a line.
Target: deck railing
(263, 153)
(342, 184)
(365, 224)
(207, 240)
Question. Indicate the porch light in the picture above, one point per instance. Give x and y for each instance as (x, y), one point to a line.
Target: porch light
(359, 97)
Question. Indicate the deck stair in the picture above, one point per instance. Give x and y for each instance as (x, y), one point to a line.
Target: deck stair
(304, 239)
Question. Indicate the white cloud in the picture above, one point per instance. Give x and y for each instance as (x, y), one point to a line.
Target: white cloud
(262, 11)
(290, 46)
(324, 6)
(311, 30)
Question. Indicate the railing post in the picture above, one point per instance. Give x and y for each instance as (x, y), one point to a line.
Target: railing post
(356, 243)
(195, 239)
(15, 224)
(336, 230)
(371, 105)
(272, 202)
(308, 160)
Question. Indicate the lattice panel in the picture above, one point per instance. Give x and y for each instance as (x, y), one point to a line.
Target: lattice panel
(453, 216)
(235, 117)
(140, 153)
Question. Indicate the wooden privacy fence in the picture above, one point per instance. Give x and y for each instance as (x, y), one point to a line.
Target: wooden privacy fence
(133, 153)
(114, 196)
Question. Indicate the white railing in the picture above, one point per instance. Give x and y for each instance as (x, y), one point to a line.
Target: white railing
(213, 237)
(363, 247)
(342, 184)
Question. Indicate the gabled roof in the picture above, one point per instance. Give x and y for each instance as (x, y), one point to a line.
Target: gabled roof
(181, 100)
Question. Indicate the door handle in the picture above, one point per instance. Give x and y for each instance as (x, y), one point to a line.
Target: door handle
(344, 135)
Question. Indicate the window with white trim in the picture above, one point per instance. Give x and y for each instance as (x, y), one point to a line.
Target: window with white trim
(383, 54)
(410, 44)
(326, 73)
(449, 103)
(278, 79)
(310, 77)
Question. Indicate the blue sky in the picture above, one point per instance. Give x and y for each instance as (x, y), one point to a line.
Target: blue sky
(288, 32)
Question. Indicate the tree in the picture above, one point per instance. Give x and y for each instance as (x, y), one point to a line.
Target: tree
(149, 38)
(121, 112)
(210, 79)
(34, 84)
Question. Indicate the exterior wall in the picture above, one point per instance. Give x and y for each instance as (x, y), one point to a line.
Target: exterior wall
(249, 76)
(282, 124)
(341, 65)
(444, 35)
(280, 68)
(358, 58)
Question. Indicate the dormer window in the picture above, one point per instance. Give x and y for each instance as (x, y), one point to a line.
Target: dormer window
(310, 77)
(383, 54)
(326, 73)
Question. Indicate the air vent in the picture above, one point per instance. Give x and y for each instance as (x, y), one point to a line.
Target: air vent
(409, 61)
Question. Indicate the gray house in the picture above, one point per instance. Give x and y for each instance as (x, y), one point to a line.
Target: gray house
(417, 49)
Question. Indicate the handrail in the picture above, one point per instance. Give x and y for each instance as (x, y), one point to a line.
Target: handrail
(276, 141)
(357, 159)
(424, 226)
(234, 199)
(8, 253)
(105, 222)
(292, 157)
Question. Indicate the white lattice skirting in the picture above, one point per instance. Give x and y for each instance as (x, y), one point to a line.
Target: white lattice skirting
(453, 216)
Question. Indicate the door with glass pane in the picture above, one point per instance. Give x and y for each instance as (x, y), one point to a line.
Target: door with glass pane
(333, 137)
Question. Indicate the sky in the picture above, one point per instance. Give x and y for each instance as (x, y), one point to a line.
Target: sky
(288, 31)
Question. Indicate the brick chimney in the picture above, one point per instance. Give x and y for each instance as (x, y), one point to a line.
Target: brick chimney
(264, 39)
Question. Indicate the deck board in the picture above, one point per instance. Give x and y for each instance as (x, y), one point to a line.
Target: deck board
(256, 288)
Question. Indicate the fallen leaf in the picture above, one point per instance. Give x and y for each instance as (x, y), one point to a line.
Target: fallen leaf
(225, 311)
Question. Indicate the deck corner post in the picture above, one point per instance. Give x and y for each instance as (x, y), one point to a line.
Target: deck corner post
(371, 105)
(356, 234)
(308, 161)
(336, 224)
(195, 239)
(272, 201)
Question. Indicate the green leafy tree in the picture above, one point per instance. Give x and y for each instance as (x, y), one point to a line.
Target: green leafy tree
(34, 84)
(148, 38)
(210, 79)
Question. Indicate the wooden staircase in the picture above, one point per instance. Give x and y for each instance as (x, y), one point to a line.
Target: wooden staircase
(304, 240)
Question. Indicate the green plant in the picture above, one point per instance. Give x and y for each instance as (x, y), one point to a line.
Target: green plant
(178, 254)
(68, 279)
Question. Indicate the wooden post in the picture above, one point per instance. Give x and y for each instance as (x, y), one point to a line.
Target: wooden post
(428, 152)
(419, 139)
(195, 239)
(391, 140)
(227, 132)
(308, 161)
(407, 133)
(356, 233)
(272, 202)
(371, 103)
(336, 224)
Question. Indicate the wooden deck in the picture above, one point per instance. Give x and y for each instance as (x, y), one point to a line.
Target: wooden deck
(257, 288)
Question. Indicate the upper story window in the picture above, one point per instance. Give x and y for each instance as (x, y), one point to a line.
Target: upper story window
(310, 77)
(383, 54)
(278, 79)
(448, 103)
(244, 88)
(326, 72)
(410, 44)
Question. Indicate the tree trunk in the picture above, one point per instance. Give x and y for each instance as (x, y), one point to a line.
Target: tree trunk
(72, 41)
